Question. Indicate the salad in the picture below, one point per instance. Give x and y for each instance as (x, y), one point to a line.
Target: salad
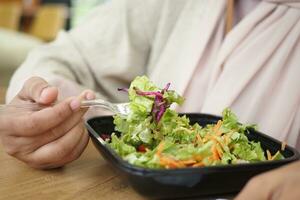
(155, 136)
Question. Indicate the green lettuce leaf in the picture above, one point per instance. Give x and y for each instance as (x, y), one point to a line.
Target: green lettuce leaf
(179, 140)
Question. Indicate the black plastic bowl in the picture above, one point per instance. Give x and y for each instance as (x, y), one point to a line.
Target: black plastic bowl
(214, 181)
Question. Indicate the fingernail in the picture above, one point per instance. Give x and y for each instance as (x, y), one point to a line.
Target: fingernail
(44, 94)
(75, 104)
(90, 96)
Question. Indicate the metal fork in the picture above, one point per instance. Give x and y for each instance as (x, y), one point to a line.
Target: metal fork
(118, 108)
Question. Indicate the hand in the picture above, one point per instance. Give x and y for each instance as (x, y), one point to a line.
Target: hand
(280, 184)
(48, 138)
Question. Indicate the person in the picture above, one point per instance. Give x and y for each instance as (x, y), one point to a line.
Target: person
(251, 68)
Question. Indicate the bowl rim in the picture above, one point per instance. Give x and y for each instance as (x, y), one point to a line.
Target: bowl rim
(130, 168)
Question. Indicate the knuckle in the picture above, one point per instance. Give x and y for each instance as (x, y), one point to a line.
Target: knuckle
(55, 133)
(34, 85)
(10, 146)
(29, 81)
(9, 126)
(11, 150)
(15, 128)
(24, 125)
(30, 124)
(34, 80)
(61, 114)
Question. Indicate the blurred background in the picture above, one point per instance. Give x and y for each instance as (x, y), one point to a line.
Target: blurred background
(26, 24)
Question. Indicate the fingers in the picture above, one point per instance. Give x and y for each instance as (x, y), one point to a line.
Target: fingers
(77, 151)
(48, 118)
(66, 126)
(271, 184)
(50, 137)
(254, 189)
(41, 121)
(88, 95)
(26, 145)
(54, 152)
(59, 131)
(18, 145)
(11, 145)
(38, 90)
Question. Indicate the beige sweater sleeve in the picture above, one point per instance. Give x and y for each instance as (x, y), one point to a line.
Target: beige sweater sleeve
(105, 52)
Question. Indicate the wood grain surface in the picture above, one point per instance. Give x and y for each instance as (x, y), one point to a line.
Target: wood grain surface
(89, 177)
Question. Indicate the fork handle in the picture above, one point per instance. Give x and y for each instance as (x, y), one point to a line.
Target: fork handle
(95, 102)
(37, 106)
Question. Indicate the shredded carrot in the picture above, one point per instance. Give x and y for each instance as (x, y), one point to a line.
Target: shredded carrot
(218, 125)
(199, 164)
(213, 137)
(197, 157)
(215, 152)
(219, 151)
(275, 155)
(269, 156)
(170, 163)
(216, 128)
(283, 145)
(209, 137)
(160, 148)
(210, 158)
(188, 162)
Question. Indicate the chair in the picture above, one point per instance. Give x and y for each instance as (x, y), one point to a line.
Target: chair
(2, 94)
(14, 48)
(49, 20)
(10, 14)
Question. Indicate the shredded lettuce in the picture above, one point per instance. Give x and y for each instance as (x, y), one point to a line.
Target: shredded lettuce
(155, 136)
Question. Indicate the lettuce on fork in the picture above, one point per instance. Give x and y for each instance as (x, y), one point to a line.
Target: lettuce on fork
(155, 136)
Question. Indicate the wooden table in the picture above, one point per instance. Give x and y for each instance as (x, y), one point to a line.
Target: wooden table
(89, 177)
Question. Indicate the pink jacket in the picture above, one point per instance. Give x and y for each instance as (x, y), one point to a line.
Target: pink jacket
(254, 69)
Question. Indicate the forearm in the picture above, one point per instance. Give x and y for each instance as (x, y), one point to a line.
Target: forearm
(59, 63)
(105, 53)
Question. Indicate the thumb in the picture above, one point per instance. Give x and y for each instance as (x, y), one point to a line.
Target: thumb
(38, 90)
